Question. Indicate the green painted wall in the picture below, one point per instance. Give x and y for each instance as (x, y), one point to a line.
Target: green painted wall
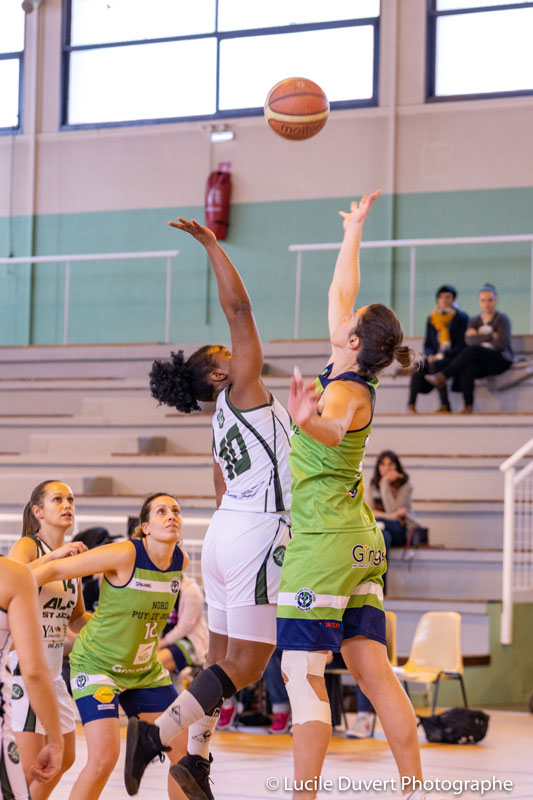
(124, 302)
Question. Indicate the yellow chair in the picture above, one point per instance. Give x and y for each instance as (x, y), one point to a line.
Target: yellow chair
(435, 653)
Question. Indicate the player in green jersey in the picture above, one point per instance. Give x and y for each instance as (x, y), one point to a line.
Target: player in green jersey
(114, 659)
(331, 594)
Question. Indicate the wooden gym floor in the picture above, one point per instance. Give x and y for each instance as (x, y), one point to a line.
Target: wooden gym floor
(244, 762)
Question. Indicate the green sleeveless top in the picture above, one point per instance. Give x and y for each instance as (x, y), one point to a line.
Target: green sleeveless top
(121, 636)
(327, 482)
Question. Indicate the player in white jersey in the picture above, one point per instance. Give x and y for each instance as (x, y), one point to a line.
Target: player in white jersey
(47, 517)
(245, 543)
(19, 623)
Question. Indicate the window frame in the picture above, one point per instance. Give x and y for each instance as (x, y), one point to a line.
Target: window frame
(12, 56)
(219, 116)
(432, 17)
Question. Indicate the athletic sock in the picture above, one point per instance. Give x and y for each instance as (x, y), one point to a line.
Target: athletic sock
(204, 695)
(200, 734)
(183, 712)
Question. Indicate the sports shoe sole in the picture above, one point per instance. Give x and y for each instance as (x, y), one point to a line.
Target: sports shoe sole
(187, 782)
(132, 737)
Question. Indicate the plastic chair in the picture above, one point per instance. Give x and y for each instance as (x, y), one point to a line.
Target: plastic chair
(435, 653)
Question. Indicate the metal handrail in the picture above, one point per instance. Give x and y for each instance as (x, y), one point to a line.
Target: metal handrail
(68, 259)
(412, 244)
(512, 479)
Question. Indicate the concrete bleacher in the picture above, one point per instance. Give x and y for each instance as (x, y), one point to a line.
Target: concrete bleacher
(84, 414)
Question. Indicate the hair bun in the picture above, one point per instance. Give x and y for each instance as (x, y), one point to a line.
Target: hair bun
(170, 383)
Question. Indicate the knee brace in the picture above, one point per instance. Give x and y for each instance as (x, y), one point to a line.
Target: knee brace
(305, 705)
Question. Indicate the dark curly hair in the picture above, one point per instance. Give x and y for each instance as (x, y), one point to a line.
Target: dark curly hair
(381, 338)
(181, 383)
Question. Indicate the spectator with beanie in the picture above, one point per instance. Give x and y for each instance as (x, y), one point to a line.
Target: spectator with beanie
(488, 350)
(445, 339)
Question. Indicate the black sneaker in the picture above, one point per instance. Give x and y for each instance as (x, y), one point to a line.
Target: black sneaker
(142, 745)
(191, 773)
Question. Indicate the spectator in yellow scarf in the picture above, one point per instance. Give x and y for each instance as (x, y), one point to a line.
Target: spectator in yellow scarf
(445, 338)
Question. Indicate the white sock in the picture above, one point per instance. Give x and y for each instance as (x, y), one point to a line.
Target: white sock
(179, 716)
(200, 734)
(418, 794)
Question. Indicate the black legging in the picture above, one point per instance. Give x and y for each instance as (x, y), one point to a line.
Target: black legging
(475, 362)
(419, 385)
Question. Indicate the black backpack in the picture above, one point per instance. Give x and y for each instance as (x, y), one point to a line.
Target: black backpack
(456, 726)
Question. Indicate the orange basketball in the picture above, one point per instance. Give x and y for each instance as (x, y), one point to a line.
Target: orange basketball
(296, 108)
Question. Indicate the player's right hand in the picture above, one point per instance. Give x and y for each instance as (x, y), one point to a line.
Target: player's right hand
(201, 233)
(48, 762)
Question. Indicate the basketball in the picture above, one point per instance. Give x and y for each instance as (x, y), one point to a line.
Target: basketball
(296, 108)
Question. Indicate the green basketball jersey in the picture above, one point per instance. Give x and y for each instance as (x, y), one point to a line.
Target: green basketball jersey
(121, 637)
(327, 482)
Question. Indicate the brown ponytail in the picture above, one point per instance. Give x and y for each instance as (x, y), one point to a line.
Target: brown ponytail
(30, 523)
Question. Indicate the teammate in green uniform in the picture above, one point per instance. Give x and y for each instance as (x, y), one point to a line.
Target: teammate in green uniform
(114, 659)
(331, 594)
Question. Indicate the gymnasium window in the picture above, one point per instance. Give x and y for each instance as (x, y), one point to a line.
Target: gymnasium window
(11, 52)
(131, 61)
(479, 48)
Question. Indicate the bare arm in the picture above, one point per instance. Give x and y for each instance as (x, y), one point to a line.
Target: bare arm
(340, 405)
(115, 560)
(24, 625)
(25, 551)
(344, 286)
(247, 353)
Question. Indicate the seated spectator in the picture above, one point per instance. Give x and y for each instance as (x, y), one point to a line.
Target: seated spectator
(445, 339)
(184, 639)
(488, 351)
(390, 498)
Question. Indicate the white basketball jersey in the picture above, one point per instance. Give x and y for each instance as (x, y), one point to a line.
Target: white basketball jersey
(252, 449)
(5, 677)
(56, 603)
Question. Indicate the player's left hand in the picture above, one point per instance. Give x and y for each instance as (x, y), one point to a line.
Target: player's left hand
(303, 399)
(358, 211)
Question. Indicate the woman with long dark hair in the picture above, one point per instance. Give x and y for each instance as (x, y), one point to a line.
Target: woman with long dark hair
(331, 594)
(47, 517)
(391, 498)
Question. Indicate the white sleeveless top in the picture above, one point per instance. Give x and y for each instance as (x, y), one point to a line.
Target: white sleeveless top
(5, 677)
(252, 449)
(56, 603)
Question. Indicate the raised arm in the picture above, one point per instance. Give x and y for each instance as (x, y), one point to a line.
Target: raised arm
(247, 353)
(344, 286)
(335, 417)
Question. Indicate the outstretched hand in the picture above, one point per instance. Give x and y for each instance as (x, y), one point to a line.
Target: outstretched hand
(201, 233)
(303, 399)
(358, 211)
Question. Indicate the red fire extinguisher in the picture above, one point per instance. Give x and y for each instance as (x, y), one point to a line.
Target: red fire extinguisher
(217, 196)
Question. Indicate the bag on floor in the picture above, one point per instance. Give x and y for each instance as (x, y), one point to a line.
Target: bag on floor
(456, 726)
